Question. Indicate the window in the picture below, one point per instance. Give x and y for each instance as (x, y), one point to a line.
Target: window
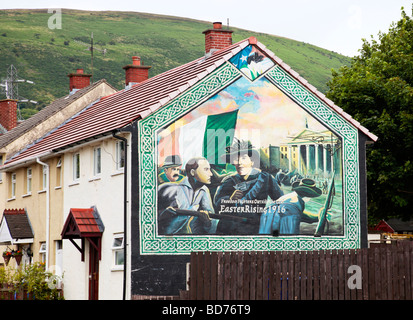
(117, 247)
(97, 161)
(120, 155)
(13, 185)
(29, 181)
(76, 166)
(42, 252)
(44, 178)
(59, 173)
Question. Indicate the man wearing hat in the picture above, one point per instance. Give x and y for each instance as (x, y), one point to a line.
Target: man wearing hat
(190, 194)
(284, 215)
(245, 193)
(171, 170)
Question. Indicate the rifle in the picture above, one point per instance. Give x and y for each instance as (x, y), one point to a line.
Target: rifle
(327, 205)
(184, 212)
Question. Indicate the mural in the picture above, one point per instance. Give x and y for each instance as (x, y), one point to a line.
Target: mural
(249, 161)
(251, 62)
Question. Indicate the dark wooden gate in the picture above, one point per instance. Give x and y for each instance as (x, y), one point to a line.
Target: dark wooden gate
(385, 273)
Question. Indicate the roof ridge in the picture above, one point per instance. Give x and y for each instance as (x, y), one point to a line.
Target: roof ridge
(14, 211)
(218, 57)
(46, 112)
(49, 132)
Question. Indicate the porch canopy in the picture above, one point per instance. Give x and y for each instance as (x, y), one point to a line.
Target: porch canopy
(84, 224)
(15, 227)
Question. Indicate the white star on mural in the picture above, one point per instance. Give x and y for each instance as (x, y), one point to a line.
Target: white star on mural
(243, 58)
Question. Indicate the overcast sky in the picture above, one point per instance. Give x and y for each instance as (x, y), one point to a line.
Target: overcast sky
(336, 25)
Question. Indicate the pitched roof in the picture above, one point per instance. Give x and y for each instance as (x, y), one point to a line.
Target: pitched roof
(121, 108)
(399, 225)
(48, 111)
(18, 223)
(82, 223)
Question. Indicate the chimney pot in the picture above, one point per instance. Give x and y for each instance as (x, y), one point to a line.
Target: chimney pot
(136, 61)
(80, 71)
(217, 25)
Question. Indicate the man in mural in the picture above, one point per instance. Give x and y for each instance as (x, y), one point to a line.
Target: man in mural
(171, 170)
(283, 216)
(245, 193)
(184, 207)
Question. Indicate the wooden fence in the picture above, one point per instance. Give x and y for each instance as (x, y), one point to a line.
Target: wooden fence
(9, 293)
(380, 272)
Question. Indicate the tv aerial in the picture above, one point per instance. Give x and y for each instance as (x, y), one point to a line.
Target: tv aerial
(10, 88)
(91, 48)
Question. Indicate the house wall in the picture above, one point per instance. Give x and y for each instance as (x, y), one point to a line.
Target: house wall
(35, 204)
(106, 193)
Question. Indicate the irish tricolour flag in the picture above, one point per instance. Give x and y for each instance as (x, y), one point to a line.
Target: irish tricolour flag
(206, 136)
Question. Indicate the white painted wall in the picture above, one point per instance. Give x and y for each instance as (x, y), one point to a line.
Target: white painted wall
(106, 193)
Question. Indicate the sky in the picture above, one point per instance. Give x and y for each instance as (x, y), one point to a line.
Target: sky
(336, 25)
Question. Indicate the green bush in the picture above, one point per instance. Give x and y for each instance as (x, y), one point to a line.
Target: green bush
(34, 280)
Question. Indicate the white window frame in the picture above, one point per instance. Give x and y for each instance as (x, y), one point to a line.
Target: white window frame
(97, 161)
(118, 250)
(29, 175)
(44, 178)
(76, 166)
(13, 178)
(120, 159)
(59, 173)
(42, 252)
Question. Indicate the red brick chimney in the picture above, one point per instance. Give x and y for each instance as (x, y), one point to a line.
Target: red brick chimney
(78, 80)
(217, 38)
(135, 72)
(8, 113)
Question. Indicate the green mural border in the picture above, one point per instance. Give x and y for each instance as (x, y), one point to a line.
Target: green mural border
(153, 244)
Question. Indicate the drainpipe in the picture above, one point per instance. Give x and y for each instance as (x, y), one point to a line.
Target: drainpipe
(47, 210)
(125, 208)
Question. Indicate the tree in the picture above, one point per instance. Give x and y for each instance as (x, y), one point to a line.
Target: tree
(377, 90)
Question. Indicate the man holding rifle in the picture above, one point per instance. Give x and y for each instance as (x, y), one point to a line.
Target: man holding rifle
(190, 194)
(244, 193)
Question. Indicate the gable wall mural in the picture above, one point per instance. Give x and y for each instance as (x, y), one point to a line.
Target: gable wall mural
(247, 159)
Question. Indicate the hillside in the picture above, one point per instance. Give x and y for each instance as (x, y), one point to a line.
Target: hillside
(46, 56)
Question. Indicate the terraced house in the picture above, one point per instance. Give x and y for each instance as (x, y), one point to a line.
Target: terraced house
(198, 158)
(32, 190)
